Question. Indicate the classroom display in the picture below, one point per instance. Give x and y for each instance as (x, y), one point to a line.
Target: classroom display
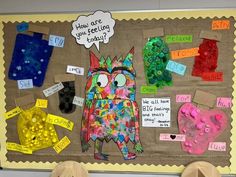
(111, 91)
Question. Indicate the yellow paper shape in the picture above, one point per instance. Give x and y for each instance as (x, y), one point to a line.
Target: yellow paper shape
(13, 112)
(33, 130)
(57, 120)
(17, 147)
(41, 103)
(62, 144)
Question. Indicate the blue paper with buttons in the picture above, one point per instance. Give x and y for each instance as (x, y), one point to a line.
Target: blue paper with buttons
(30, 58)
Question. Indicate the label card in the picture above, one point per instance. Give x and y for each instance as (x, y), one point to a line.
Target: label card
(183, 98)
(18, 147)
(148, 89)
(224, 102)
(156, 112)
(204, 98)
(41, 103)
(53, 89)
(13, 112)
(178, 38)
(217, 146)
(56, 41)
(25, 84)
(62, 144)
(220, 24)
(176, 67)
(60, 121)
(171, 137)
(210, 35)
(147, 33)
(185, 53)
(75, 70)
(212, 76)
(25, 100)
(78, 101)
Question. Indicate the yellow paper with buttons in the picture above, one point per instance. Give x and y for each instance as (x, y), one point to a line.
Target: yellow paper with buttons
(33, 130)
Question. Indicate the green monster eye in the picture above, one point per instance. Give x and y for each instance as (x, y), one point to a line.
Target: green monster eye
(120, 80)
(102, 80)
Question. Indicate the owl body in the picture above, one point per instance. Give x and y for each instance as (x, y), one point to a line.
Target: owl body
(110, 110)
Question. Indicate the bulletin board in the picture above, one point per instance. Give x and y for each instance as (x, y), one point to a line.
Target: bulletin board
(118, 91)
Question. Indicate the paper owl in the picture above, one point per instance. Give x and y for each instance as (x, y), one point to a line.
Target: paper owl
(110, 110)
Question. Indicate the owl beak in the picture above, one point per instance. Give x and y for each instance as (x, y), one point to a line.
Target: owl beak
(111, 97)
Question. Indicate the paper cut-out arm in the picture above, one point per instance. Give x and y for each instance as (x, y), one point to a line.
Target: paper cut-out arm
(138, 147)
(84, 134)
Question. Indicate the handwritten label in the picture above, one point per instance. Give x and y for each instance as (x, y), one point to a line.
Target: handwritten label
(13, 112)
(92, 29)
(185, 53)
(25, 84)
(176, 67)
(56, 41)
(17, 147)
(78, 101)
(57, 120)
(178, 38)
(220, 24)
(148, 89)
(156, 112)
(224, 102)
(217, 146)
(53, 89)
(183, 98)
(62, 144)
(212, 76)
(41, 103)
(171, 137)
(75, 70)
(22, 27)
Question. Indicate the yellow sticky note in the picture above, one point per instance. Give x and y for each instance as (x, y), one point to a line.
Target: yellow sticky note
(62, 144)
(57, 120)
(18, 148)
(13, 112)
(41, 103)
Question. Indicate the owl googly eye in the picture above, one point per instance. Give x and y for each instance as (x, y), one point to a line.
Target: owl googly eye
(120, 80)
(102, 80)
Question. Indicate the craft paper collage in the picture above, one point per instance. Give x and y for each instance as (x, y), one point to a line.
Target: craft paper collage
(142, 92)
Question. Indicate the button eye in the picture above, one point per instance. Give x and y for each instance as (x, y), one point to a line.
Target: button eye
(102, 80)
(120, 80)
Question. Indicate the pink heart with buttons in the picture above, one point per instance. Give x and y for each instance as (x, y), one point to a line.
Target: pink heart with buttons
(200, 127)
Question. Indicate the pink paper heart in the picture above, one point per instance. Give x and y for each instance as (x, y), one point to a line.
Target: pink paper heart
(200, 127)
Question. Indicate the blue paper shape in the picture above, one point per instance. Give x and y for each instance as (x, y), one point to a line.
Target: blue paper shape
(30, 58)
(22, 27)
(175, 67)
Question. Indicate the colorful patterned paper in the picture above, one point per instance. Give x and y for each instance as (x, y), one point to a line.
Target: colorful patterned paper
(110, 110)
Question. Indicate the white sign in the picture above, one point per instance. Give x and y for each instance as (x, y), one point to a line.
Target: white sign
(75, 70)
(53, 89)
(156, 112)
(56, 41)
(78, 101)
(92, 29)
(25, 84)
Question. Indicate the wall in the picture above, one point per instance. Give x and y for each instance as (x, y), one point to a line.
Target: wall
(43, 6)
